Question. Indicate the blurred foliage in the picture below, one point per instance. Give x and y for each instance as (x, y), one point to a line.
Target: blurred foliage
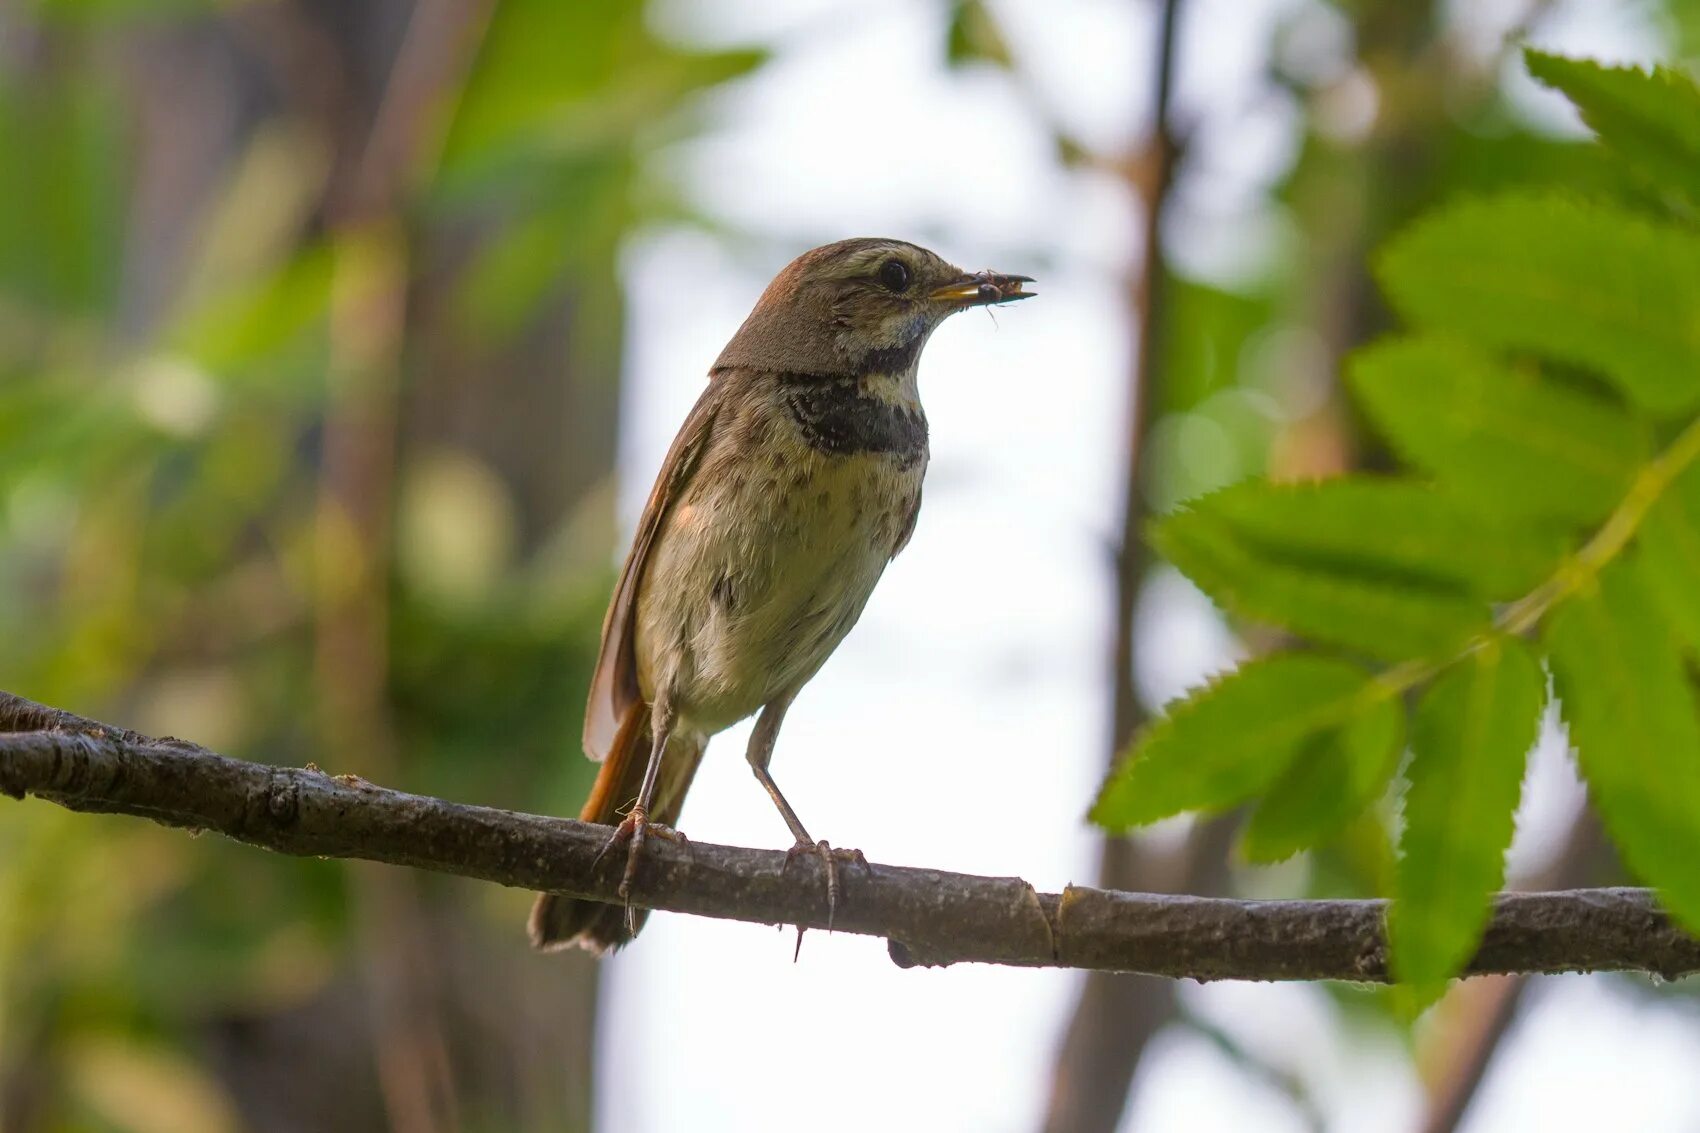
(974, 36)
(169, 355)
(566, 139)
(1441, 580)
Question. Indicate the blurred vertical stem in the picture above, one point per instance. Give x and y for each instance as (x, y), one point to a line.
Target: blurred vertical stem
(1151, 174)
(1116, 1015)
(1478, 1014)
(352, 527)
(353, 533)
(351, 663)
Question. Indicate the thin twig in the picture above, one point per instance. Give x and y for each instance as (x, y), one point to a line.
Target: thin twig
(1472, 1047)
(1279, 1078)
(930, 917)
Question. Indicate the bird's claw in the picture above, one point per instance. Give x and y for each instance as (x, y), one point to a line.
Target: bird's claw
(830, 858)
(634, 830)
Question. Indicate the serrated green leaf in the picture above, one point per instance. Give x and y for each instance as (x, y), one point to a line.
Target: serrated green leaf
(1516, 444)
(1226, 742)
(1586, 284)
(1333, 778)
(1670, 555)
(1632, 717)
(1385, 620)
(1651, 120)
(1469, 740)
(1381, 528)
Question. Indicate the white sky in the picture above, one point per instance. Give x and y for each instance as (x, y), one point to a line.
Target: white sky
(961, 725)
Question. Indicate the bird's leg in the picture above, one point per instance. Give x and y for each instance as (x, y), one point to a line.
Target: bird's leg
(760, 754)
(635, 828)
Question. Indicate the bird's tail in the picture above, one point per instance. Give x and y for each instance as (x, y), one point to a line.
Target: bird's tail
(558, 921)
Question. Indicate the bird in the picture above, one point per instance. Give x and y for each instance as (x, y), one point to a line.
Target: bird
(793, 481)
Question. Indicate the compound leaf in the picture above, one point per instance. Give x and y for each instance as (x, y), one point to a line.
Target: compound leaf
(1228, 741)
(1585, 284)
(1516, 444)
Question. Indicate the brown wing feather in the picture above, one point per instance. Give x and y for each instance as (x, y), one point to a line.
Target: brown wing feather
(908, 526)
(614, 685)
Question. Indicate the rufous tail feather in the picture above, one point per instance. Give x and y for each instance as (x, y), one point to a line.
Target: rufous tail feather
(559, 921)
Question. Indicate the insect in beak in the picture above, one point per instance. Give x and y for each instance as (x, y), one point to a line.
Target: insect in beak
(982, 289)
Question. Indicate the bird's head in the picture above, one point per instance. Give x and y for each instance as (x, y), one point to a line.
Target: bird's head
(859, 306)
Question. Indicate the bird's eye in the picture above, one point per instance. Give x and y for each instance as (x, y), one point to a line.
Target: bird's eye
(894, 276)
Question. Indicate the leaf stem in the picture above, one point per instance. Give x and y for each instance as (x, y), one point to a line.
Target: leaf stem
(1576, 571)
(1610, 540)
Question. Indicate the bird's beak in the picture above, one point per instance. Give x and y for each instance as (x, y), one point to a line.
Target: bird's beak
(982, 288)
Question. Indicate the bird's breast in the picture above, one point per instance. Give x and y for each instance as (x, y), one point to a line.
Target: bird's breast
(769, 559)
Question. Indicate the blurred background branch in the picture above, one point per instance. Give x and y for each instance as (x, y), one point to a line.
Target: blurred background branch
(1115, 1016)
(372, 240)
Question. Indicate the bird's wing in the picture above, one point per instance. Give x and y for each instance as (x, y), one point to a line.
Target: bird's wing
(614, 685)
(908, 526)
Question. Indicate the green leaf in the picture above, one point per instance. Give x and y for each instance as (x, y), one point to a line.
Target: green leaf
(1590, 285)
(1206, 332)
(1333, 778)
(1670, 555)
(1476, 164)
(514, 271)
(56, 428)
(1469, 740)
(253, 334)
(572, 80)
(974, 36)
(63, 218)
(1515, 444)
(1651, 120)
(95, 12)
(1631, 710)
(1392, 621)
(1227, 741)
(1379, 527)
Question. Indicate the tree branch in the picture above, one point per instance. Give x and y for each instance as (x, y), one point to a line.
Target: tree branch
(930, 917)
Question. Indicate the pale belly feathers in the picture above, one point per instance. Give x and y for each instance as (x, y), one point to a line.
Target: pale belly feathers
(757, 576)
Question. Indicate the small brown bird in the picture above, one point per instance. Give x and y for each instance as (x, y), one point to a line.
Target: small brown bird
(795, 479)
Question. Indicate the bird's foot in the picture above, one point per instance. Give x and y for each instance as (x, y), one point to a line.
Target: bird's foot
(634, 830)
(830, 858)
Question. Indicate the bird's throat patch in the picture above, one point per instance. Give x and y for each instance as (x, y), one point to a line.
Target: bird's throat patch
(838, 416)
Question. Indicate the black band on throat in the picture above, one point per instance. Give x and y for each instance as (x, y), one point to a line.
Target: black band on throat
(836, 416)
